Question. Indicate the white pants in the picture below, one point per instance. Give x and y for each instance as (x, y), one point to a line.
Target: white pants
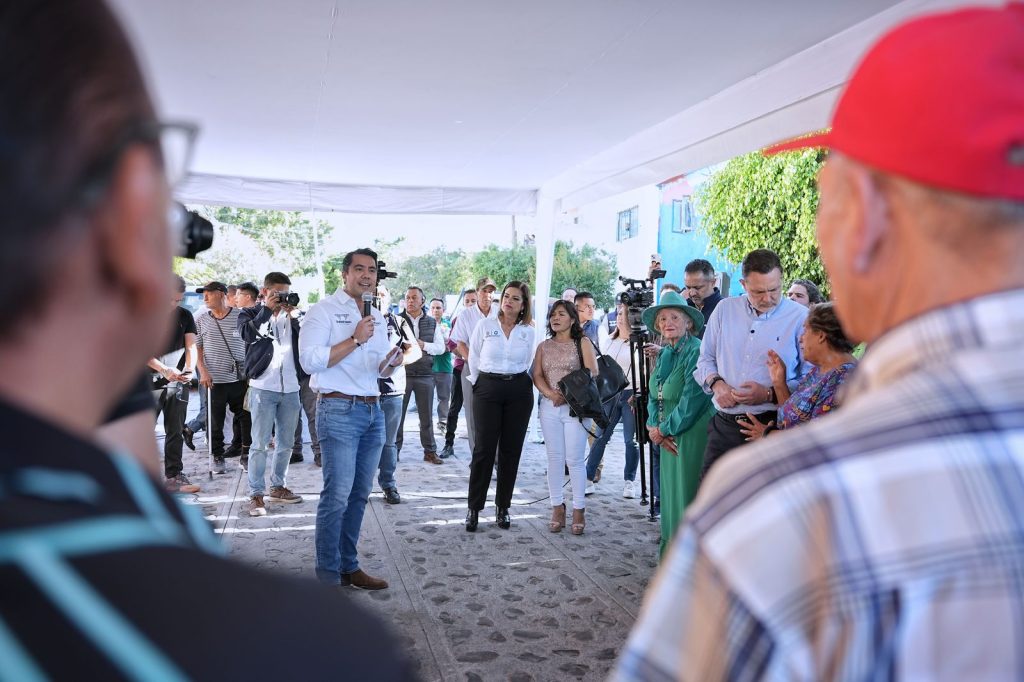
(566, 443)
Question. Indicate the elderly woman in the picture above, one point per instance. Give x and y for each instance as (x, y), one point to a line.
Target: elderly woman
(679, 409)
(824, 345)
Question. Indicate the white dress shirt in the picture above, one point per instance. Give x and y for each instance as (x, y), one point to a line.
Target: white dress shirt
(327, 324)
(435, 347)
(491, 351)
(465, 323)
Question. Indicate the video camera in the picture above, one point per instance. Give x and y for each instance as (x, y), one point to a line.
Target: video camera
(383, 273)
(196, 231)
(638, 296)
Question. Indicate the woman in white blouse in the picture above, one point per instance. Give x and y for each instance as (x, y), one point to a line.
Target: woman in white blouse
(500, 353)
(566, 438)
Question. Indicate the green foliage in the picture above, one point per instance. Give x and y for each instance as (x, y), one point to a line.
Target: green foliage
(286, 237)
(759, 202)
(585, 269)
(437, 272)
(504, 264)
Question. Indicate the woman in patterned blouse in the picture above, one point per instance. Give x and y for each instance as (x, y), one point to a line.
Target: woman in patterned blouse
(825, 346)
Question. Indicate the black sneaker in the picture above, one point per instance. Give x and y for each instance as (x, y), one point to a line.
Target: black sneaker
(188, 434)
(447, 451)
(296, 458)
(391, 496)
(219, 465)
(316, 461)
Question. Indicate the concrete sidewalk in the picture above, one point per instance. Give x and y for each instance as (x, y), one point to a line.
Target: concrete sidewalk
(522, 604)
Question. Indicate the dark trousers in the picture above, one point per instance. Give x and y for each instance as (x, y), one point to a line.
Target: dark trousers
(724, 435)
(173, 405)
(423, 388)
(232, 395)
(501, 415)
(308, 399)
(452, 422)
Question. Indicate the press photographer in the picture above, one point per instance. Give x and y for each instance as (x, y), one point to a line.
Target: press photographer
(271, 336)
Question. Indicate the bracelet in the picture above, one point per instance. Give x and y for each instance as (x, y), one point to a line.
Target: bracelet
(771, 395)
(714, 381)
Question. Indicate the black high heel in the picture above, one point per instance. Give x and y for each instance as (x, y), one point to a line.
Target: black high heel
(472, 520)
(503, 519)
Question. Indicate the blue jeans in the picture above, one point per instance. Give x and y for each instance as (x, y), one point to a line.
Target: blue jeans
(392, 407)
(351, 435)
(620, 410)
(271, 411)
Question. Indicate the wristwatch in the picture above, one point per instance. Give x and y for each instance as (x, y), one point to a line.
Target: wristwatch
(711, 385)
(357, 342)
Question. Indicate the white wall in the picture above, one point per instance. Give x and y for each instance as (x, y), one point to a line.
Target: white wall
(596, 224)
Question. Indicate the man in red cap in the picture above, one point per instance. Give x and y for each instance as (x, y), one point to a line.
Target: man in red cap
(885, 540)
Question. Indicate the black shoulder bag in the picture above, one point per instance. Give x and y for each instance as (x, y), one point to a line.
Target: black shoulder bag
(610, 379)
(580, 391)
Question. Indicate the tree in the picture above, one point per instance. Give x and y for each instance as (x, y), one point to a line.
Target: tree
(437, 272)
(504, 264)
(757, 202)
(292, 242)
(585, 269)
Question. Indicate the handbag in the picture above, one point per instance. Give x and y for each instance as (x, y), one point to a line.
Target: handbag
(610, 379)
(580, 391)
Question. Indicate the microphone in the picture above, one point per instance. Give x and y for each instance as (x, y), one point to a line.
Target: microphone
(367, 302)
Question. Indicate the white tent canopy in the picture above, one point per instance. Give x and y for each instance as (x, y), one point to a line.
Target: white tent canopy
(484, 107)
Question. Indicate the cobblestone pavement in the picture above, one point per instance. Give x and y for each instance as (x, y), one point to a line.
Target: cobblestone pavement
(519, 604)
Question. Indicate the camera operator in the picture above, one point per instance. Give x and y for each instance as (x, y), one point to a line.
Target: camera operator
(171, 382)
(221, 358)
(271, 338)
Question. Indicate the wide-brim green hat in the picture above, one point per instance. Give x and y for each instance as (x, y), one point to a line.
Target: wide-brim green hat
(671, 299)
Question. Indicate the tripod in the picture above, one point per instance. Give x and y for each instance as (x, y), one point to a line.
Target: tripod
(640, 376)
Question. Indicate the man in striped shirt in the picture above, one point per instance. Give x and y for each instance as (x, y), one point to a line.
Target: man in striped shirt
(885, 540)
(221, 358)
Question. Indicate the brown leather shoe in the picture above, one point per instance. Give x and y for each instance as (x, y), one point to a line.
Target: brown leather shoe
(432, 458)
(363, 581)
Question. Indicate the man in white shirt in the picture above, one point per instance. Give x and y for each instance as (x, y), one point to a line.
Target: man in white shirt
(271, 337)
(419, 375)
(344, 346)
(461, 334)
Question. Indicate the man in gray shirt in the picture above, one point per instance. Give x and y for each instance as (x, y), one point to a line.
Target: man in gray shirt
(221, 357)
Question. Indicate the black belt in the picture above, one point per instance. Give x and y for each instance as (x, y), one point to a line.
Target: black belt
(734, 417)
(354, 398)
(501, 377)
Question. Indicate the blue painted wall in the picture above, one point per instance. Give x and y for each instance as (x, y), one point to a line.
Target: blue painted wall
(679, 248)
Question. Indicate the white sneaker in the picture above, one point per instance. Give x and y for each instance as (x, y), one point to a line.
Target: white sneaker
(591, 488)
(629, 491)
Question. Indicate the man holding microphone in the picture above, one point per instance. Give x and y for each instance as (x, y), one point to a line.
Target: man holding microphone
(344, 346)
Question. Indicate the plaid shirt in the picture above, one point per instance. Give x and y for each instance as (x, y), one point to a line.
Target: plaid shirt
(883, 541)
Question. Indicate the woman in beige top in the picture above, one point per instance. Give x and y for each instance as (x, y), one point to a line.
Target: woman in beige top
(564, 435)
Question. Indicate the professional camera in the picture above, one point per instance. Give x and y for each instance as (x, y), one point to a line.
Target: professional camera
(288, 298)
(196, 231)
(638, 296)
(383, 273)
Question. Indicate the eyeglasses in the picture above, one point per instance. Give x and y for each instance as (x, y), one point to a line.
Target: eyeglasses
(175, 142)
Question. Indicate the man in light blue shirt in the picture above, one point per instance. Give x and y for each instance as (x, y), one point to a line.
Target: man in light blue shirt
(733, 363)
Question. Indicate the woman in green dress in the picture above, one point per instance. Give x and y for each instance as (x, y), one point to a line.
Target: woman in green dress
(679, 409)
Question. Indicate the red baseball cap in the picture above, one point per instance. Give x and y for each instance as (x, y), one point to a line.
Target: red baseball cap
(939, 100)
